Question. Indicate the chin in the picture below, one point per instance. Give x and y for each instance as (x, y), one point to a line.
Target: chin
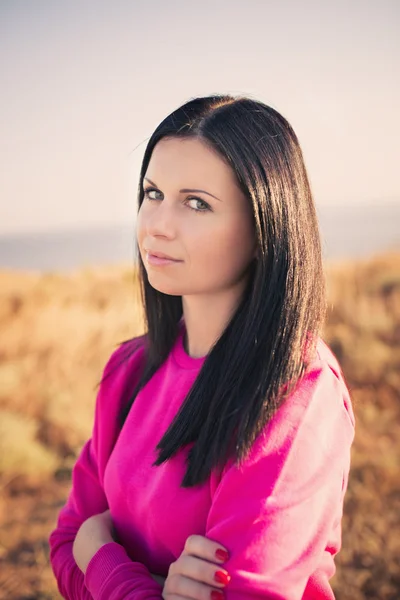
(164, 289)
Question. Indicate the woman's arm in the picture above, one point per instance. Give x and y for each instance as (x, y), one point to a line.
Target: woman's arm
(86, 563)
(107, 571)
(279, 514)
(87, 498)
(195, 574)
(94, 533)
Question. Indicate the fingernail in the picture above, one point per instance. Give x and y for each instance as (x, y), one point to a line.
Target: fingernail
(216, 595)
(222, 577)
(221, 554)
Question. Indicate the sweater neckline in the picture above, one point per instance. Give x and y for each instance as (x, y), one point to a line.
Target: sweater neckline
(181, 357)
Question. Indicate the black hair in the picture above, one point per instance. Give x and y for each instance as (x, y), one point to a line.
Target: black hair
(271, 338)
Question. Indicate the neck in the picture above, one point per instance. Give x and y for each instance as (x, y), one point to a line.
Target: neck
(206, 318)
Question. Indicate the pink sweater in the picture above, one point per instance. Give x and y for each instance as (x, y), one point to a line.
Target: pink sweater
(279, 516)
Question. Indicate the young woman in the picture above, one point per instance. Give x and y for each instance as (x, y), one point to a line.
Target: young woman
(220, 451)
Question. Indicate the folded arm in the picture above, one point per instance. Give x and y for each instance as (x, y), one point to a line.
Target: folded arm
(278, 514)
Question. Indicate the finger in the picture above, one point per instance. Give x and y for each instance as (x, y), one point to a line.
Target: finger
(200, 570)
(203, 547)
(189, 588)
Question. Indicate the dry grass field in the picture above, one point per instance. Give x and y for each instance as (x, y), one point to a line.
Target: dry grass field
(57, 332)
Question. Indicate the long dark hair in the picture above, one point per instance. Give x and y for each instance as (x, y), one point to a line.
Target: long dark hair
(270, 340)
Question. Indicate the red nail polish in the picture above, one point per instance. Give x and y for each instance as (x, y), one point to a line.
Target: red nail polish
(221, 554)
(222, 577)
(216, 595)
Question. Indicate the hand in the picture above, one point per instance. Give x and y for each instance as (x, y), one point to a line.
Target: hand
(92, 535)
(193, 575)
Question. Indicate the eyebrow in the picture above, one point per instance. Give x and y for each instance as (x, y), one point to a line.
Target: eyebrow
(185, 190)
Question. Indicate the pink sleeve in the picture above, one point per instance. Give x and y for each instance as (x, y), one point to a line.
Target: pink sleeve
(112, 575)
(87, 498)
(276, 512)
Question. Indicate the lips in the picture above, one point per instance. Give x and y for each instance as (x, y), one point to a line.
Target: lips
(160, 255)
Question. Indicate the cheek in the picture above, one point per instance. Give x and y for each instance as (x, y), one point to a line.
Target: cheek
(226, 247)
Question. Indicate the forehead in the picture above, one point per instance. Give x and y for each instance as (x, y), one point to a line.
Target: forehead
(190, 162)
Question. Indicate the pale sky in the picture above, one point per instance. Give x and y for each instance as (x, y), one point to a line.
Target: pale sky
(83, 84)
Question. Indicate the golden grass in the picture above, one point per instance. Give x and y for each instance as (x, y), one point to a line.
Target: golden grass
(57, 333)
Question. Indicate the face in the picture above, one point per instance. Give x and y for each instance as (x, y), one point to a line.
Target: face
(194, 211)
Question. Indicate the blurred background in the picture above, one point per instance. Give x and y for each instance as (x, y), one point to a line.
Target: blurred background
(83, 86)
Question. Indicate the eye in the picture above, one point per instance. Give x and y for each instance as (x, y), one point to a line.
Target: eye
(205, 205)
(204, 208)
(148, 191)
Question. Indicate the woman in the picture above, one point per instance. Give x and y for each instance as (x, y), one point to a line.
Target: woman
(221, 443)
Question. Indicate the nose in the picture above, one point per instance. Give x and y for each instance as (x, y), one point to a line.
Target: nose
(161, 220)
